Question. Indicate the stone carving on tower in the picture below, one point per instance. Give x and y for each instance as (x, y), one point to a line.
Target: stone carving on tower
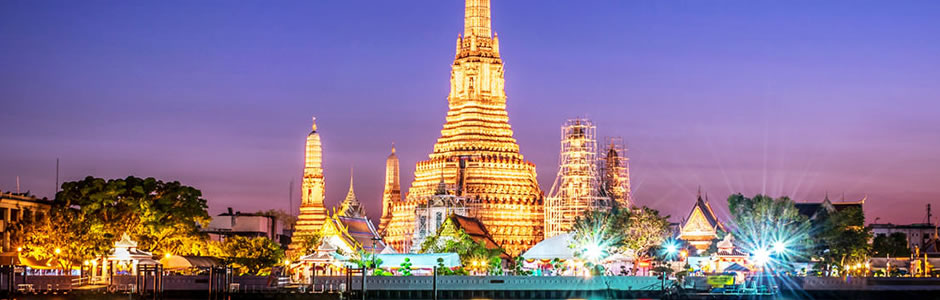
(312, 211)
(476, 152)
(392, 192)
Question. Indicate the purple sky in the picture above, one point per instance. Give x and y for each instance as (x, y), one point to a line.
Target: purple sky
(784, 97)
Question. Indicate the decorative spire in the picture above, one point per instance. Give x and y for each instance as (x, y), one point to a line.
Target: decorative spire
(351, 206)
(314, 124)
(393, 147)
(477, 19)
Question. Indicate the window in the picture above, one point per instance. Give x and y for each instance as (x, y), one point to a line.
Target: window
(3, 213)
(14, 215)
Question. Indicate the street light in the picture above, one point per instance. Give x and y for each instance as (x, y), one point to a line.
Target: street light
(57, 250)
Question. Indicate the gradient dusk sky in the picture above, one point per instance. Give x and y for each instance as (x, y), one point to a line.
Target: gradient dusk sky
(795, 98)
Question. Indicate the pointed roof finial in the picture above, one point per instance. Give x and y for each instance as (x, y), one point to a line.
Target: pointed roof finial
(393, 147)
(699, 195)
(314, 124)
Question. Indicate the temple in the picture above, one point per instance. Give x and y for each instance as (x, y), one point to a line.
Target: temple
(392, 193)
(312, 211)
(702, 227)
(476, 152)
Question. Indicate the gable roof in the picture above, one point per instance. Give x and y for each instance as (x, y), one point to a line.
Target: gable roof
(810, 209)
(702, 205)
(356, 232)
(471, 226)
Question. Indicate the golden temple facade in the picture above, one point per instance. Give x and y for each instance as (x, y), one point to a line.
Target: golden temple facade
(312, 211)
(476, 152)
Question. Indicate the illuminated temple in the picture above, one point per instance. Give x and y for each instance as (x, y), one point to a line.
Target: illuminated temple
(312, 211)
(476, 152)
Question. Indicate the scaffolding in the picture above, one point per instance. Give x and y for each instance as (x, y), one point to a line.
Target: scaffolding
(577, 188)
(615, 171)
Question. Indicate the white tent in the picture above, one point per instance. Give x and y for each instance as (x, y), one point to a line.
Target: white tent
(550, 248)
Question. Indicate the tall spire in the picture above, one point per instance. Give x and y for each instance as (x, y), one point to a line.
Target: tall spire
(392, 193)
(476, 21)
(351, 206)
(314, 124)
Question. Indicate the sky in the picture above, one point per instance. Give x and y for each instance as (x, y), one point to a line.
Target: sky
(786, 98)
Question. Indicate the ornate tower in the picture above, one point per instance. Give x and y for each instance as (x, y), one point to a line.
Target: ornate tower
(476, 152)
(392, 192)
(312, 211)
(351, 206)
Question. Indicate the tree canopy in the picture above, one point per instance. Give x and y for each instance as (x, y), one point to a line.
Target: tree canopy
(761, 221)
(162, 216)
(893, 245)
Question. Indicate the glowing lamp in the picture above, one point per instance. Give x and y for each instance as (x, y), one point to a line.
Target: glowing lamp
(57, 250)
(761, 256)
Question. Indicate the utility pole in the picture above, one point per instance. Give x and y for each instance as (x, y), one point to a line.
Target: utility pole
(56, 177)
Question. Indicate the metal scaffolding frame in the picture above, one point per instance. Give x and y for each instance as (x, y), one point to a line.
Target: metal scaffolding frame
(577, 186)
(615, 172)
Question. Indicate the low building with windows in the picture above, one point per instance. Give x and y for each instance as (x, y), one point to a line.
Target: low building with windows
(18, 207)
(247, 225)
(921, 237)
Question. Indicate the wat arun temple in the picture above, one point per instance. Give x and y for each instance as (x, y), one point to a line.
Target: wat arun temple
(476, 154)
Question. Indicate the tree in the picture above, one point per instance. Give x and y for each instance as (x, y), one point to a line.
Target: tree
(252, 255)
(635, 232)
(594, 236)
(162, 216)
(645, 229)
(843, 238)
(894, 245)
(762, 222)
(464, 245)
(308, 244)
(57, 239)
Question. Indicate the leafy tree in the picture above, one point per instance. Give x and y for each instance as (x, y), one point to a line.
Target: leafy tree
(309, 244)
(894, 245)
(162, 216)
(843, 238)
(58, 239)
(594, 236)
(635, 232)
(366, 260)
(645, 229)
(762, 221)
(405, 267)
(252, 255)
(463, 245)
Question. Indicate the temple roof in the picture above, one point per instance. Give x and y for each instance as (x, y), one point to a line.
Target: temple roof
(705, 209)
(472, 227)
(809, 209)
(351, 206)
(356, 232)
